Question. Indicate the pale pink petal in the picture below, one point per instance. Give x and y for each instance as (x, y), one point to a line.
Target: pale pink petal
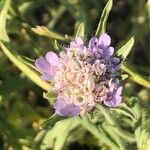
(53, 59)
(79, 41)
(46, 77)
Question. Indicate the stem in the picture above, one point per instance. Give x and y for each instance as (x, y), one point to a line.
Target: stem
(5, 5)
(113, 125)
(56, 17)
(136, 77)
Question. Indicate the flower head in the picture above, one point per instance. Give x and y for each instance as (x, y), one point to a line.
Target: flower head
(83, 76)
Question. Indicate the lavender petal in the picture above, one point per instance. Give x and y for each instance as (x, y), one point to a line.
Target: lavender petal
(110, 51)
(93, 42)
(114, 102)
(104, 40)
(64, 109)
(53, 59)
(42, 65)
(46, 77)
(115, 97)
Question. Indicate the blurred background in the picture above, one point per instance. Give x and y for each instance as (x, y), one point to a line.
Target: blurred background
(22, 106)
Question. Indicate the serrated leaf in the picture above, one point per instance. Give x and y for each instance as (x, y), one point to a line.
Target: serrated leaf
(114, 125)
(96, 132)
(80, 30)
(103, 19)
(125, 110)
(113, 136)
(31, 74)
(56, 137)
(4, 6)
(128, 110)
(120, 111)
(125, 49)
(44, 31)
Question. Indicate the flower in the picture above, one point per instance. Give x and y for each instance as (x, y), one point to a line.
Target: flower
(48, 66)
(83, 76)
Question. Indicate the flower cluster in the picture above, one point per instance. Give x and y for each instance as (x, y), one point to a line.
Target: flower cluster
(83, 76)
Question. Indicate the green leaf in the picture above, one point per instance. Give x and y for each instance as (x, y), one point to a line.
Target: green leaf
(125, 110)
(124, 76)
(50, 96)
(103, 19)
(113, 136)
(31, 74)
(44, 31)
(28, 61)
(55, 138)
(49, 123)
(135, 76)
(125, 49)
(114, 125)
(138, 127)
(57, 47)
(80, 30)
(128, 110)
(4, 6)
(100, 134)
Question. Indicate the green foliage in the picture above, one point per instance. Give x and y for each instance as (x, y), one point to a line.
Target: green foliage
(4, 6)
(49, 123)
(26, 70)
(125, 49)
(33, 28)
(50, 96)
(28, 61)
(13, 83)
(56, 137)
(136, 76)
(103, 19)
(81, 30)
(41, 30)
